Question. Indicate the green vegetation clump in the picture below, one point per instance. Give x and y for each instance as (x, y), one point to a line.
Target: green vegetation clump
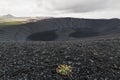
(11, 23)
(64, 70)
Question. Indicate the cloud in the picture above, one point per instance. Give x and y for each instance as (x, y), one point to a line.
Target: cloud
(17, 7)
(74, 8)
(73, 5)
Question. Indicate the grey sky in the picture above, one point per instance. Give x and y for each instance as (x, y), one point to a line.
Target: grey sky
(75, 8)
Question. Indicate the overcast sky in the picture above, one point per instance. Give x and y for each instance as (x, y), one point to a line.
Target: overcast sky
(74, 8)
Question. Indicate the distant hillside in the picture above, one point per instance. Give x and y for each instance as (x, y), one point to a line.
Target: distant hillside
(7, 16)
(57, 29)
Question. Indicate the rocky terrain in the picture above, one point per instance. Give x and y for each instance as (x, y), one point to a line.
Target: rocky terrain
(34, 50)
(91, 60)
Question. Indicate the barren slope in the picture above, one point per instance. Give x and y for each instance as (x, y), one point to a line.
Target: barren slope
(57, 29)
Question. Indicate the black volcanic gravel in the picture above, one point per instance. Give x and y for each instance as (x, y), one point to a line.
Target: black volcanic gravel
(91, 60)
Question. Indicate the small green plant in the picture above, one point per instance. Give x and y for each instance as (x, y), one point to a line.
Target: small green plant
(64, 70)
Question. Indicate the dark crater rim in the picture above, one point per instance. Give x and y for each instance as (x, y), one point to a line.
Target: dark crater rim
(43, 36)
(84, 33)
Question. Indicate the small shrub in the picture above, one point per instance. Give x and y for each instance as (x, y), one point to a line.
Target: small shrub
(64, 70)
